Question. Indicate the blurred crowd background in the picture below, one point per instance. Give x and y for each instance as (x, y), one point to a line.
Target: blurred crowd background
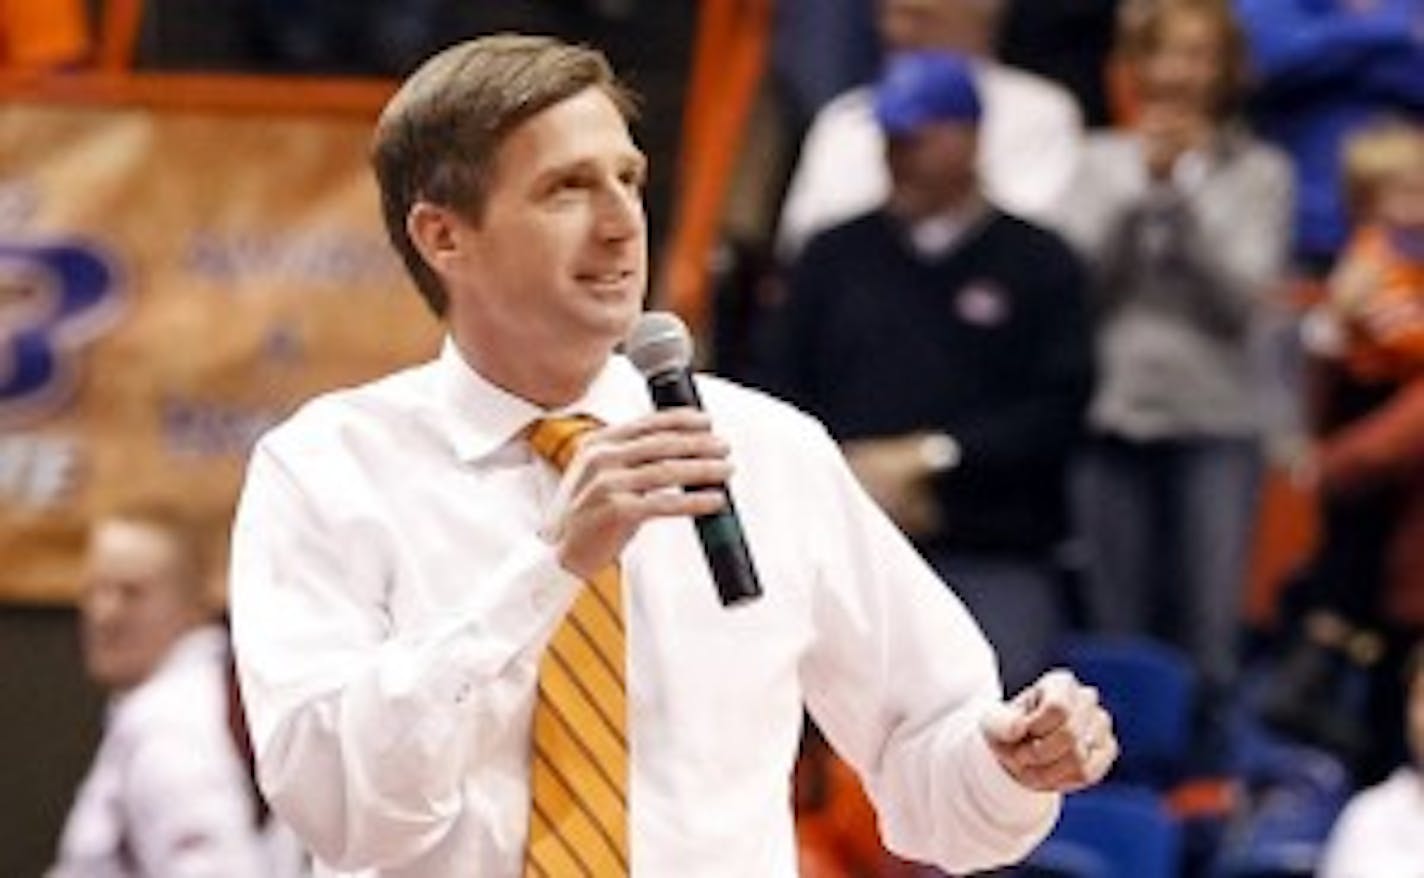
(1116, 306)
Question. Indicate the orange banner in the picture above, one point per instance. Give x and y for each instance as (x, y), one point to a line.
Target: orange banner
(171, 284)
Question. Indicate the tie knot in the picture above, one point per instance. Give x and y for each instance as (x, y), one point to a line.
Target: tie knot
(556, 439)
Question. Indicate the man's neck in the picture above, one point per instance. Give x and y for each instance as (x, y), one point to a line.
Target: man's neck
(546, 381)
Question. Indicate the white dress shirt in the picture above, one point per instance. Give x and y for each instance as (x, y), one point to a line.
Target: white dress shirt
(1029, 139)
(167, 794)
(391, 599)
(1381, 832)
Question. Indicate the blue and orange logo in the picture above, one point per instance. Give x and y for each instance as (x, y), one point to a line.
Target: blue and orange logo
(56, 298)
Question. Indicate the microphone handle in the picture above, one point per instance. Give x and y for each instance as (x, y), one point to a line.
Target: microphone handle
(720, 532)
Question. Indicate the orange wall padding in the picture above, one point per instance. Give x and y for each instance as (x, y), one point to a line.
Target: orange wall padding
(118, 35)
(727, 65)
(43, 33)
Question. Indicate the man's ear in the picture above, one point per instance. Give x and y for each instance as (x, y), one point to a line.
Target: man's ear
(435, 232)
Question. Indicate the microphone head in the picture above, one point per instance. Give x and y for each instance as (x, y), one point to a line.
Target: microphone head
(659, 343)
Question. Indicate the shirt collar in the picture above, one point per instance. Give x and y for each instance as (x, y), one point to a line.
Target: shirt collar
(482, 418)
(933, 237)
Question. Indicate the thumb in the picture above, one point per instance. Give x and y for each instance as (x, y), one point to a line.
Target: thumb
(1004, 723)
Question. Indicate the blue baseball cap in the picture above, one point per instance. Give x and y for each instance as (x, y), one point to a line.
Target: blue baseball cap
(919, 88)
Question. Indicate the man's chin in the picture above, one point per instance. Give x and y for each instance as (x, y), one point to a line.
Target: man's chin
(614, 320)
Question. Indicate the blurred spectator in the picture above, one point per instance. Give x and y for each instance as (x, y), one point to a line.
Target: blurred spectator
(1326, 68)
(1376, 306)
(1381, 831)
(1184, 219)
(1370, 385)
(1377, 295)
(1377, 292)
(168, 793)
(1029, 142)
(945, 344)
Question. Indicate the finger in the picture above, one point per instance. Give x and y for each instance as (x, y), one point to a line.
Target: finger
(1086, 723)
(625, 512)
(1071, 774)
(1062, 776)
(1004, 724)
(683, 418)
(1096, 731)
(1048, 749)
(1068, 771)
(668, 474)
(674, 504)
(599, 466)
(1086, 717)
(657, 446)
(1058, 697)
(1101, 759)
(1048, 716)
(1083, 764)
(1015, 759)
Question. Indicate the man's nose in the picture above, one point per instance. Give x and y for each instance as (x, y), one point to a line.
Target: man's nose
(620, 213)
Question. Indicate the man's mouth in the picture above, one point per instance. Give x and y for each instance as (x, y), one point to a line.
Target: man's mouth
(613, 280)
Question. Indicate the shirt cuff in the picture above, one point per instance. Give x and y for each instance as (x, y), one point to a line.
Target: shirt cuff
(1003, 800)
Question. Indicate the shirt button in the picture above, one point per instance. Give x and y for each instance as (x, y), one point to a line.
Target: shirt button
(541, 598)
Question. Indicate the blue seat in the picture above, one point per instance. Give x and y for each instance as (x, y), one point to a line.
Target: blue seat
(1149, 688)
(1291, 796)
(1059, 858)
(1112, 832)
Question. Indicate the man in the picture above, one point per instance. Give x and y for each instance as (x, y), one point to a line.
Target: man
(946, 344)
(168, 793)
(1029, 146)
(459, 661)
(1379, 831)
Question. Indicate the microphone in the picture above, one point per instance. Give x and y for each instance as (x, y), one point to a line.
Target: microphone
(661, 349)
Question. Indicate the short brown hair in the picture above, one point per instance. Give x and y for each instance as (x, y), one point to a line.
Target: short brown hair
(1375, 156)
(437, 137)
(1141, 28)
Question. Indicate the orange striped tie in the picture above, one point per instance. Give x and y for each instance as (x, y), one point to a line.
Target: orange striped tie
(578, 816)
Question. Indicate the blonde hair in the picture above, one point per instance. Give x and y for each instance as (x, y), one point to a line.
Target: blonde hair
(1377, 155)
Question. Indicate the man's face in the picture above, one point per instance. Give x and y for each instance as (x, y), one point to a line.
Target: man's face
(955, 25)
(931, 169)
(558, 261)
(135, 604)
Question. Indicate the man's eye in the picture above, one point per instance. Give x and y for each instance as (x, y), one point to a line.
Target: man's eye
(569, 185)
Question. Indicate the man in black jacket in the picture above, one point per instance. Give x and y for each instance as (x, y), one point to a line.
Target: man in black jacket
(945, 344)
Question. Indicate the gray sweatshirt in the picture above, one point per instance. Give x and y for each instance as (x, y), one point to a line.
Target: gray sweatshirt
(1181, 272)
